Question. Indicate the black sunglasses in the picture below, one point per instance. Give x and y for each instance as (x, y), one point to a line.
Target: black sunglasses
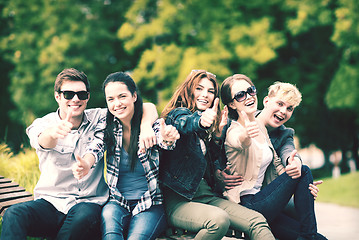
(204, 71)
(242, 95)
(68, 95)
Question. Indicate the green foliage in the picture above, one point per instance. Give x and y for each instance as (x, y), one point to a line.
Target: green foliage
(22, 168)
(345, 84)
(176, 37)
(313, 44)
(344, 88)
(48, 36)
(343, 190)
(308, 14)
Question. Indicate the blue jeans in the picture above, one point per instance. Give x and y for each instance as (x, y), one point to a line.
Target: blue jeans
(118, 223)
(273, 198)
(40, 218)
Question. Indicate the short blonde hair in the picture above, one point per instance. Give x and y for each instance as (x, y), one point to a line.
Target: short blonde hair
(285, 91)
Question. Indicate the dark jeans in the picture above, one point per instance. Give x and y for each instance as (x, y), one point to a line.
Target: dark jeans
(40, 218)
(273, 198)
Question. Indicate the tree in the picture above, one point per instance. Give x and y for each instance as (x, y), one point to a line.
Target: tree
(10, 132)
(171, 37)
(342, 93)
(266, 40)
(47, 36)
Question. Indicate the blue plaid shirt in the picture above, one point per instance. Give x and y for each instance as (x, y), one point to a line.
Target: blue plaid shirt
(148, 159)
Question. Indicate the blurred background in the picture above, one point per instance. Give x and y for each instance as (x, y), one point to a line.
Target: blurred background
(312, 44)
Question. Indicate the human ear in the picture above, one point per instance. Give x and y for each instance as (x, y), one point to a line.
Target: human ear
(57, 96)
(231, 105)
(265, 101)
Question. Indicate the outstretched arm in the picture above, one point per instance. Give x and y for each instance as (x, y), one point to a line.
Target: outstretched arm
(147, 135)
(48, 138)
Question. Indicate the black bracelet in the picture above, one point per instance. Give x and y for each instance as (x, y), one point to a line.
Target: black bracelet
(167, 142)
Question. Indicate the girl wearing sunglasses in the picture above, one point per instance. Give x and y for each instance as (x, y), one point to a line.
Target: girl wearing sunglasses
(187, 172)
(267, 187)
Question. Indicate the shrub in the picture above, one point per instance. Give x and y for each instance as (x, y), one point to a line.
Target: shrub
(22, 168)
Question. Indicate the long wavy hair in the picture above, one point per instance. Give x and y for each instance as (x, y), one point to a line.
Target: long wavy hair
(124, 78)
(184, 94)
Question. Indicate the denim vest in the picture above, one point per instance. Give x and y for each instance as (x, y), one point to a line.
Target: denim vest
(183, 168)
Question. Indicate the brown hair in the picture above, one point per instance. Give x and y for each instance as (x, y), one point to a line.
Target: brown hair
(184, 94)
(71, 74)
(226, 92)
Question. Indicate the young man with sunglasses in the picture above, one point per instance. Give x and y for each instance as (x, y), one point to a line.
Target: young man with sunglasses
(64, 207)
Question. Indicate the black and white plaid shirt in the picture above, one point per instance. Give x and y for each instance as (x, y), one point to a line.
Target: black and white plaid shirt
(148, 159)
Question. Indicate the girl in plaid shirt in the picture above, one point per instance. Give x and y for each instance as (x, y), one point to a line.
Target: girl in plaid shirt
(135, 209)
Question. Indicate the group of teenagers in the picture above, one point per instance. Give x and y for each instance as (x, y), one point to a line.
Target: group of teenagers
(124, 173)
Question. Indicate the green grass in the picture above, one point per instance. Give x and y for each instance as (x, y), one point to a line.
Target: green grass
(343, 190)
(22, 168)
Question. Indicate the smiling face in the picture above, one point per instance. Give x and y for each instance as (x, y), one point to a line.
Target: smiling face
(249, 105)
(276, 111)
(204, 94)
(75, 105)
(120, 101)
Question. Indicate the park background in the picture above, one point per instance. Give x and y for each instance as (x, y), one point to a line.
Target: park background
(312, 44)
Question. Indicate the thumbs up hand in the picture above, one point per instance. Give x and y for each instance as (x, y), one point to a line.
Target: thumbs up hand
(251, 126)
(63, 128)
(169, 133)
(82, 165)
(294, 166)
(224, 120)
(209, 115)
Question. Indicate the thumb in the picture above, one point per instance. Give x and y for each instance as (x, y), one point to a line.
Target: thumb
(215, 105)
(292, 155)
(69, 115)
(225, 111)
(245, 117)
(162, 124)
(80, 160)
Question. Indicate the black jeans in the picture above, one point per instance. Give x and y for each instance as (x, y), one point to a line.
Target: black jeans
(40, 218)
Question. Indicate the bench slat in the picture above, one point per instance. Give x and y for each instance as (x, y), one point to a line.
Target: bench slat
(11, 193)
(10, 196)
(6, 204)
(4, 180)
(8, 185)
(11, 189)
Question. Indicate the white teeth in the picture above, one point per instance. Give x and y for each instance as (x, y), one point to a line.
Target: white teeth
(249, 103)
(119, 109)
(280, 118)
(74, 106)
(203, 101)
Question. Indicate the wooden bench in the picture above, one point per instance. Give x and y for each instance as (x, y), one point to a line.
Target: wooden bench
(11, 193)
